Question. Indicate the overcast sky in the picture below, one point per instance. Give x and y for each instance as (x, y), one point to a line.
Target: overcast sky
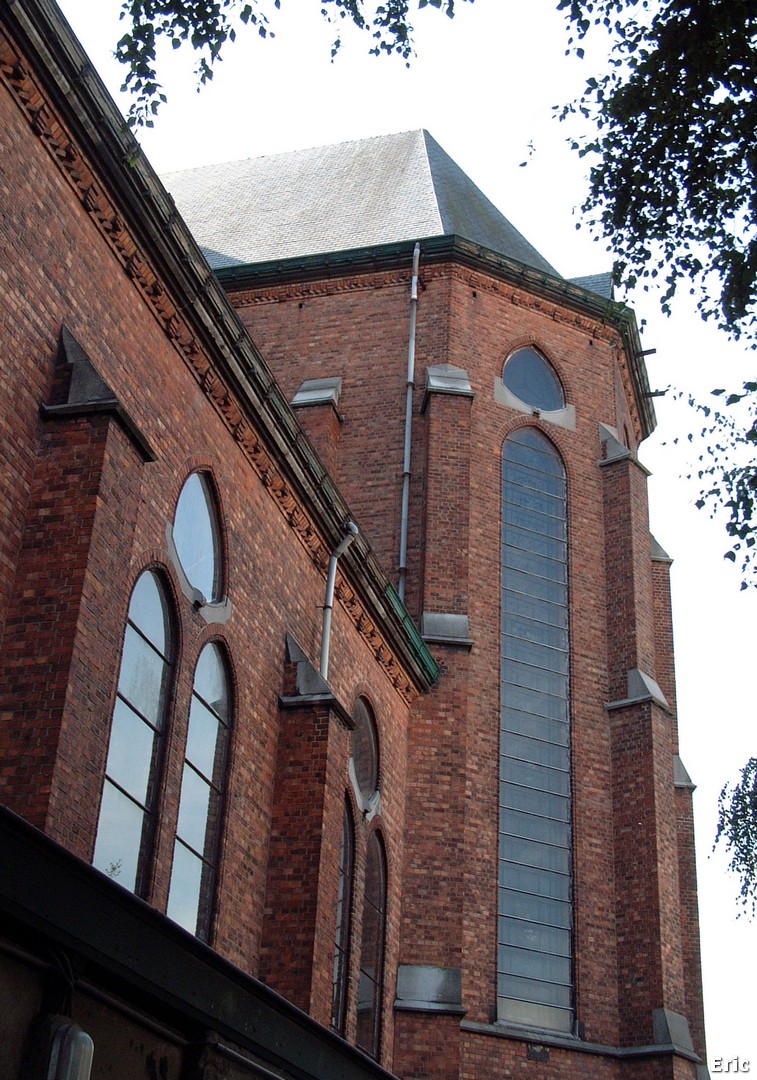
(484, 85)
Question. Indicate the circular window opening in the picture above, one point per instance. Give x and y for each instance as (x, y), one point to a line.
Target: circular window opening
(365, 749)
(195, 534)
(532, 379)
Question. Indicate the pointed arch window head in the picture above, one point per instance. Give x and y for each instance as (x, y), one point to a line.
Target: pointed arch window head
(195, 859)
(533, 380)
(196, 536)
(127, 812)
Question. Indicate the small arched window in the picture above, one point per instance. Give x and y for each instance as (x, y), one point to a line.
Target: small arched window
(533, 380)
(365, 749)
(370, 990)
(343, 923)
(195, 858)
(196, 537)
(127, 812)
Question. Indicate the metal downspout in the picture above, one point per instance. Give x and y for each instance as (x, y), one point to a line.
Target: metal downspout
(328, 606)
(408, 424)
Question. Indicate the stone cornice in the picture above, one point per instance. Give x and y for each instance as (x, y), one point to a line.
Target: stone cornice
(72, 115)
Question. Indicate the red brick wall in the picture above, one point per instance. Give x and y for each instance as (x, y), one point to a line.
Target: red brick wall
(83, 516)
(449, 903)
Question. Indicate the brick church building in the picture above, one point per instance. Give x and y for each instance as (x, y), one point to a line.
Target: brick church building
(338, 710)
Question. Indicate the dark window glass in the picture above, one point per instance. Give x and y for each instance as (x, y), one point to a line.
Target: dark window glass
(372, 950)
(532, 379)
(365, 753)
(343, 925)
(193, 873)
(535, 910)
(127, 812)
(195, 535)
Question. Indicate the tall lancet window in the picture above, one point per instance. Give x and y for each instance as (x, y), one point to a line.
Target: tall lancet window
(534, 955)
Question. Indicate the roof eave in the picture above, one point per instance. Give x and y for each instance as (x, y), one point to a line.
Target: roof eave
(436, 249)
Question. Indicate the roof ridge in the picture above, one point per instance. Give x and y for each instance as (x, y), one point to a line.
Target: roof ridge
(297, 151)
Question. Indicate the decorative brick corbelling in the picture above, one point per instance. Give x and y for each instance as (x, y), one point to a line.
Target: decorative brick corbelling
(52, 133)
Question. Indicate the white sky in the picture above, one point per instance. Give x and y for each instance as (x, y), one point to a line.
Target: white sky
(484, 85)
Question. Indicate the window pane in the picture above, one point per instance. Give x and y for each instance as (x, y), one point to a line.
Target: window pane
(365, 749)
(200, 801)
(530, 652)
(143, 676)
(537, 777)
(536, 751)
(539, 727)
(533, 801)
(210, 681)
(539, 882)
(186, 881)
(534, 827)
(193, 809)
(535, 965)
(540, 611)
(528, 375)
(124, 825)
(372, 949)
(543, 993)
(532, 677)
(195, 536)
(542, 909)
(529, 539)
(148, 611)
(202, 739)
(119, 837)
(536, 510)
(130, 754)
(530, 477)
(530, 562)
(515, 849)
(533, 701)
(531, 1015)
(343, 926)
(529, 935)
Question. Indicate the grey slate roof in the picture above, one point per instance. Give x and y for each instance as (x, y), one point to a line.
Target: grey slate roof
(338, 198)
(601, 284)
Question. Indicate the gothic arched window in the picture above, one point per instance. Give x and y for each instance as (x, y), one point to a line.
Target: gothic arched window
(370, 990)
(127, 812)
(343, 923)
(534, 968)
(190, 894)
